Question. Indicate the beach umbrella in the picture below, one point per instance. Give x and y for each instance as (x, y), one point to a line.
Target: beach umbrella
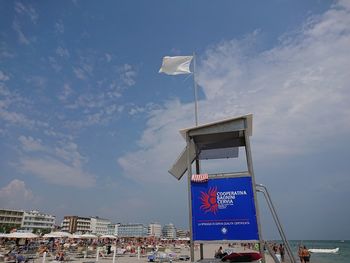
(88, 236)
(49, 235)
(108, 236)
(76, 236)
(58, 234)
(21, 235)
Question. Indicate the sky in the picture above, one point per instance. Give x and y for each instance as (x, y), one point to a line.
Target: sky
(89, 127)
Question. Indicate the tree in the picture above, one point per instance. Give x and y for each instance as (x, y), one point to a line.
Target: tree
(6, 228)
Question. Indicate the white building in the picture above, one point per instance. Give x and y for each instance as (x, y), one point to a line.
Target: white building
(111, 229)
(132, 230)
(169, 231)
(155, 229)
(34, 220)
(116, 229)
(99, 226)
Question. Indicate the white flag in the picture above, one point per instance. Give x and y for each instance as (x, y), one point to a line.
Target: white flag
(176, 65)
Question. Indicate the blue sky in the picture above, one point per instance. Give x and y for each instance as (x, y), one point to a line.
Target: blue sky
(89, 127)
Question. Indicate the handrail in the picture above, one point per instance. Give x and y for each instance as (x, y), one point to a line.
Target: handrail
(261, 188)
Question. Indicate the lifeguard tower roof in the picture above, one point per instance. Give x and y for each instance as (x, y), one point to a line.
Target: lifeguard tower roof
(215, 140)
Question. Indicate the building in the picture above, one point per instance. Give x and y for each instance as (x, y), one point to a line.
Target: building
(169, 231)
(116, 229)
(76, 224)
(155, 230)
(99, 226)
(132, 230)
(182, 234)
(111, 229)
(34, 221)
(10, 219)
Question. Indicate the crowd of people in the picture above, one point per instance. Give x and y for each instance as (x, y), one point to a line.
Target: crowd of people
(60, 249)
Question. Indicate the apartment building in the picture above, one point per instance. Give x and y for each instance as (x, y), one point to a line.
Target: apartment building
(76, 224)
(169, 231)
(36, 221)
(155, 230)
(10, 219)
(132, 230)
(99, 226)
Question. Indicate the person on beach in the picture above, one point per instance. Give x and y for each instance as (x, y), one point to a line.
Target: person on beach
(281, 250)
(300, 254)
(20, 258)
(60, 256)
(306, 254)
(220, 253)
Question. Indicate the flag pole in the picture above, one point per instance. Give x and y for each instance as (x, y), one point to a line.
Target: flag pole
(197, 161)
(195, 89)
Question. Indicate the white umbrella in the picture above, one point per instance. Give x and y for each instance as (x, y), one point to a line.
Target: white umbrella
(108, 236)
(76, 236)
(88, 236)
(58, 234)
(21, 235)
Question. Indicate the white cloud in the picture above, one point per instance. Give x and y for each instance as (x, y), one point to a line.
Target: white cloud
(37, 81)
(66, 92)
(59, 27)
(15, 195)
(6, 54)
(3, 76)
(62, 52)
(28, 10)
(61, 164)
(23, 11)
(298, 92)
(11, 109)
(108, 57)
(16, 118)
(79, 73)
(54, 64)
(18, 29)
(127, 74)
(160, 144)
(57, 172)
(136, 110)
(31, 144)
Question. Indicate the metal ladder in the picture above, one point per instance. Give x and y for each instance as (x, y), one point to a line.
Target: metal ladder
(262, 189)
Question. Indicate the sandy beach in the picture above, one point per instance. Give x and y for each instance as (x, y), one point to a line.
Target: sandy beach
(208, 252)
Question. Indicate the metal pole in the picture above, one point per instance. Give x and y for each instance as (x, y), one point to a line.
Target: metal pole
(189, 174)
(196, 120)
(251, 171)
(195, 90)
(201, 252)
(277, 221)
(44, 257)
(97, 253)
(114, 253)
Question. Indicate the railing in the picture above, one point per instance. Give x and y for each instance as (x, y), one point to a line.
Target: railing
(261, 188)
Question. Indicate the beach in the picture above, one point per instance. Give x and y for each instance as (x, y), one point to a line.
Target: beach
(208, 253)
(166, 253)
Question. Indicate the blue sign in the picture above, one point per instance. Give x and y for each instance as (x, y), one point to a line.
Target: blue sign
(224, 209)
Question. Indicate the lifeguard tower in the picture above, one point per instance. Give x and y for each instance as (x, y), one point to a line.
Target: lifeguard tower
(223, 207)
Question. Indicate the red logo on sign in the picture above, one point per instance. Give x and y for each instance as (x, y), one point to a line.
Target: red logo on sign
(209, 203)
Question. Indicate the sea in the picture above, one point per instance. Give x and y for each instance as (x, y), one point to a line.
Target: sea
(343, 256)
